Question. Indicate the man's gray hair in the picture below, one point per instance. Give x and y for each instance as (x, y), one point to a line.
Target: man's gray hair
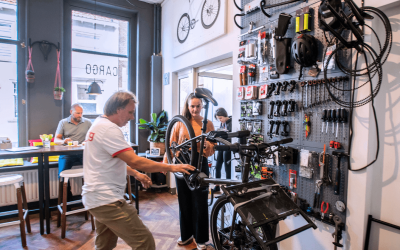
(118, 100)
(73, 106)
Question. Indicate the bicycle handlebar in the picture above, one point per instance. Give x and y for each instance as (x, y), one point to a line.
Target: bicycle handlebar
(238, 147)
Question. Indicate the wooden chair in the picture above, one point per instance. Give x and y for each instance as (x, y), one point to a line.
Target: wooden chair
(62, 200)
(23, 212)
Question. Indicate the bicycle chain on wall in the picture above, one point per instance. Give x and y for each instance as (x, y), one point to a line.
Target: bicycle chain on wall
(316, 140)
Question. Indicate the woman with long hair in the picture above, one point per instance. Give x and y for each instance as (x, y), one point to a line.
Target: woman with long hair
(193, 205)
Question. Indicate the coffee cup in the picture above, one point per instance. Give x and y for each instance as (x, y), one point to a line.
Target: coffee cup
(75, 143)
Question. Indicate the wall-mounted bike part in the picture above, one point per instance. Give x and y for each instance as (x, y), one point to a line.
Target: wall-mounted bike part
(45, 47)
(282, 50)
(264, 7)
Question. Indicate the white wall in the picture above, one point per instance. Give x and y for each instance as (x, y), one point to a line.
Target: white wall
(215, 50)
(372, 191)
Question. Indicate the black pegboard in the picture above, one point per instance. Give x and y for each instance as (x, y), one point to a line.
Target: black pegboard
(316, 140)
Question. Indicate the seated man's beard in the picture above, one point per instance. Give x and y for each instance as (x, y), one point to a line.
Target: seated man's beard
(77, 119)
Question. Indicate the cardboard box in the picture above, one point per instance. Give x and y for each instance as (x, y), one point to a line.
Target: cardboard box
(5, 143)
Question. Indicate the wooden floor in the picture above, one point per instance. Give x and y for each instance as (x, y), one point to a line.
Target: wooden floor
(159, 211)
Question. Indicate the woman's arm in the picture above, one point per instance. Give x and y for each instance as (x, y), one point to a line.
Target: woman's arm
(174, 137)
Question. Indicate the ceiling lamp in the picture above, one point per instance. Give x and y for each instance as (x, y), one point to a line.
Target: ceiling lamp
(94, 88)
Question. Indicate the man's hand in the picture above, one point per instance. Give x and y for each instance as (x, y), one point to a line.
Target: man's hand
(183, 168)
(144, 179)
(67, 140)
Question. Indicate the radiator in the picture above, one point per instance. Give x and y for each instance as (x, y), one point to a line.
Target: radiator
(8, 193)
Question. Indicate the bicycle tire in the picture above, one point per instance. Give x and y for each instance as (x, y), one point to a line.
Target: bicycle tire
(214, 217)
(168, 142)
(188, 28)
(216, 16)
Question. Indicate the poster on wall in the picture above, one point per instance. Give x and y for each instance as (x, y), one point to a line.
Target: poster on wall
(197, 22)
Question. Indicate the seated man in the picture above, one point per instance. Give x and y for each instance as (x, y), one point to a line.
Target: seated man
(72, 128)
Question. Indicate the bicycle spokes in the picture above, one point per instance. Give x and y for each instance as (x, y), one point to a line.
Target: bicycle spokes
(180, 155)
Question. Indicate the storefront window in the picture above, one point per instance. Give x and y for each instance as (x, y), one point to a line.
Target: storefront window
(8, 66)
(100, 54)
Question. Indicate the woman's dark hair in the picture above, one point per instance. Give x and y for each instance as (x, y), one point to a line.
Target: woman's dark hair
(185, 110)
(220, 112)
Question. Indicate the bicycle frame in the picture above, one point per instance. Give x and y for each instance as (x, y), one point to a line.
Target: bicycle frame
(190, 9)
(246, 167)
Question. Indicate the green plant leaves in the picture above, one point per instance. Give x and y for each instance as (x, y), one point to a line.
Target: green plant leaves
(154, 117)
(157, 126)
(142, 121)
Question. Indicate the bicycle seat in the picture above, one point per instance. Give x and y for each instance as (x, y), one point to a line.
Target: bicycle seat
(205, 94)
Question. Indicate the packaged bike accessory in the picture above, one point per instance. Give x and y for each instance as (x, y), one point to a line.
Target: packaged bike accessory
(266, 172)
(263, 91)
(251, 92)
(257, 108)
(242, 124)
(240, 93)
(243, 109)
(252, 73)
(306, 170)
(249, 125)
(260, 39)
(257, 126)
(249, 109)
(243, 75)
(250, 50)
(303, 20)
(292, 178)
(242, 51)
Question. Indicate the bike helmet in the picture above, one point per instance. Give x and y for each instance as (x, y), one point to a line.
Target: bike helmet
(305, 50)
(324, 13)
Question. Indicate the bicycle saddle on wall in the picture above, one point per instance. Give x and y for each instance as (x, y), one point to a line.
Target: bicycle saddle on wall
(205, 94)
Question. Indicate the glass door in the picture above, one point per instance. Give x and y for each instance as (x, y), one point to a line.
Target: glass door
(219, 82)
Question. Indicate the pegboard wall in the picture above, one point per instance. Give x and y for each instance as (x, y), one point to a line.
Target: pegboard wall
(317, 95)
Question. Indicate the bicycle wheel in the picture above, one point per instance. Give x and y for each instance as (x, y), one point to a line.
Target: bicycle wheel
(185, 152)
(209, 13)
(183, 28)
(221, 222)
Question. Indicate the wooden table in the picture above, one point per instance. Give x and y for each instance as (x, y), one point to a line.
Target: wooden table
(23, 154)
(43, 174)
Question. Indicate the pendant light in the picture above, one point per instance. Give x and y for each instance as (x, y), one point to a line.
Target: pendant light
(94, 87)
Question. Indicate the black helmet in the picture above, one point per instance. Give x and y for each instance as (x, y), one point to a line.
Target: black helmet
(305, 50)
(324, 13)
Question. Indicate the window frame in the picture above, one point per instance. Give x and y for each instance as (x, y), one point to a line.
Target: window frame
(21, 64)
(106, 10)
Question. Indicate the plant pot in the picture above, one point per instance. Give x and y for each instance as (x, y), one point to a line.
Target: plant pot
(58, 95)
(30, 76)
(160, 145)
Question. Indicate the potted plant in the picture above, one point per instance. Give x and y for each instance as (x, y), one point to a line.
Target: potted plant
(58, 93)
(158, 127)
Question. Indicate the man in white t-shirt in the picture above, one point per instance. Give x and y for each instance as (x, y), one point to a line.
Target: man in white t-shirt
(105, 161)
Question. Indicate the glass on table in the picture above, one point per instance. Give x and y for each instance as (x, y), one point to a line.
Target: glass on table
(69, 143)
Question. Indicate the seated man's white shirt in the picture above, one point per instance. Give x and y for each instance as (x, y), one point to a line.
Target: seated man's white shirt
(104, 173)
